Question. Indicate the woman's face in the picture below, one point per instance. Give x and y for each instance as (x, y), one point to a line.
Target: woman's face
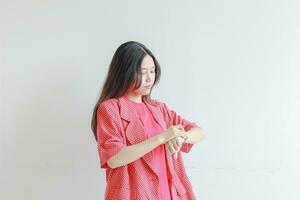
(148, 76)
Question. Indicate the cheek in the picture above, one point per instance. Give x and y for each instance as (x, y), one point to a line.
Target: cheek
(144, 78)
(153, 76)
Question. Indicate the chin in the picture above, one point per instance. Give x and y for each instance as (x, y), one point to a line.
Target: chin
(145, 92)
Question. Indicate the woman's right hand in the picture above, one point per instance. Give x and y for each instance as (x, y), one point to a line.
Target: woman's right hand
(173, 132)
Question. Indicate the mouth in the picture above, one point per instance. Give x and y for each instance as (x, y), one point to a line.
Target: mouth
(148, 86)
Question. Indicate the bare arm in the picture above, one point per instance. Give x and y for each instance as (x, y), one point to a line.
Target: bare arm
(131, 153)
(195, 135)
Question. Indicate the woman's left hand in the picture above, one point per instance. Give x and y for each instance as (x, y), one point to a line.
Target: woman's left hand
(174, 145)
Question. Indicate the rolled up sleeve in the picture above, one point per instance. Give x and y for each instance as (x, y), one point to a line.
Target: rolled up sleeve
(174, 118)
(110, 133)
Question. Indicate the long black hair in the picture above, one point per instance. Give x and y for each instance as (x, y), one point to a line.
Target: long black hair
(124, 71)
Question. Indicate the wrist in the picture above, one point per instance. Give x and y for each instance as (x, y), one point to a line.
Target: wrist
(161, 139)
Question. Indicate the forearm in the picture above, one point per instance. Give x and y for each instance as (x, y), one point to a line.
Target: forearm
(133, 152)
(194, 135)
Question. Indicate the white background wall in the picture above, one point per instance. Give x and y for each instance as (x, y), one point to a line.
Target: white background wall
(231, 66)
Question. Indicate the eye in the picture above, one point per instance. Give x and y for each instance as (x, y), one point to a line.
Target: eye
(152, 72)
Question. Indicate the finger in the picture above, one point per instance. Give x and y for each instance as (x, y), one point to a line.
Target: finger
(167, 148)
(174, 143)
(181, 139)
(175, 155)
(185, 136)
(182, 134)
(172, 150)
(178, 143)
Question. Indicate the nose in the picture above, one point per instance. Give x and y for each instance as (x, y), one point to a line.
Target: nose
(148, 77)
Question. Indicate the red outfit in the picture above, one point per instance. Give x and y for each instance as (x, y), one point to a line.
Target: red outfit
(119, 126)
(151, 129)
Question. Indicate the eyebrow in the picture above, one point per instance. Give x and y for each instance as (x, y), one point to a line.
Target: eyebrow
(146, 68)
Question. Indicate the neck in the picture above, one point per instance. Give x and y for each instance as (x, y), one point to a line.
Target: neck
(134, 97)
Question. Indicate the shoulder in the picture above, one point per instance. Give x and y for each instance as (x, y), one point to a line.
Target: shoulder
(110, 104)
(160, 104)
(155, 102)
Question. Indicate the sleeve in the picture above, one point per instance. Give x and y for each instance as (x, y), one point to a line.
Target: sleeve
(174, 118)
(110, 134)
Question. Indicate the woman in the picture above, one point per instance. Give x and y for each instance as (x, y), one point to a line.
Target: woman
(140, 139)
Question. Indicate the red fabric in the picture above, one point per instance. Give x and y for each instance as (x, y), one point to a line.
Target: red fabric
(118, 126)
(152, 129)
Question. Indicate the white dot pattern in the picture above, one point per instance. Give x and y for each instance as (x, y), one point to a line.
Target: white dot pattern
(137, 180)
